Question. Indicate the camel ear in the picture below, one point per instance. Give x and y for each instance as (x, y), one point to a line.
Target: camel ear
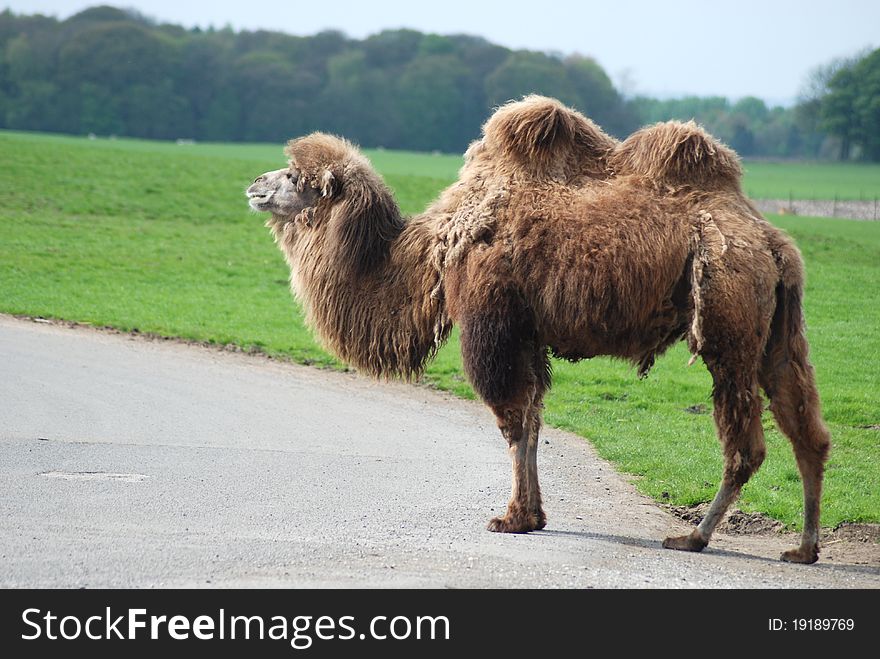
(329, 185)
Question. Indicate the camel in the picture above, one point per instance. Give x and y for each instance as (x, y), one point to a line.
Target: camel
(558, 240)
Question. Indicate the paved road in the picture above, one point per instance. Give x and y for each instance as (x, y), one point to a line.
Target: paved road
(134, 463)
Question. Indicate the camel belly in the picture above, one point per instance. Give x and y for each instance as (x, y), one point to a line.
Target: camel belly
(640, 310)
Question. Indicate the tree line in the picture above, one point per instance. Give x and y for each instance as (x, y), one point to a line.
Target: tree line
(114, 72)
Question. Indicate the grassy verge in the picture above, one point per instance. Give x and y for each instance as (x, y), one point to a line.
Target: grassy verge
(158, 237)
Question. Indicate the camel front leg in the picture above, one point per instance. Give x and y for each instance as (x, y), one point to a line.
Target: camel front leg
(524, 510)
(511, 374)
(533, 430)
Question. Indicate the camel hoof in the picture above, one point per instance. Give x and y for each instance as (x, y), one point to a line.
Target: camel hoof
(804, 555)
(509, 524)
(691, 542)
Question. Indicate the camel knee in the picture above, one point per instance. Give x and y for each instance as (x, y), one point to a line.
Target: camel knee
(819, 438)
(806, 430)
(511, 423)
(822, 446)
(812, 455)
(742, 463)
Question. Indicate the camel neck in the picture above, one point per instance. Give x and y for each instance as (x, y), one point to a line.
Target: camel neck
(386, 321)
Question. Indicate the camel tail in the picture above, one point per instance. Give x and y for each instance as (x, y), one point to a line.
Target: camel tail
(787, 347)
(789, 380)
(787, 331)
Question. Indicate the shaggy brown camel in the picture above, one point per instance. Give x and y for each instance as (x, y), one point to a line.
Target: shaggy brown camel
(558, 239)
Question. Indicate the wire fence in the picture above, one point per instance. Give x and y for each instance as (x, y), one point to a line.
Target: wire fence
(864, 208)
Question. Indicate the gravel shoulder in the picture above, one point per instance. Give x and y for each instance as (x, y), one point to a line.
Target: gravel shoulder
(128, 462)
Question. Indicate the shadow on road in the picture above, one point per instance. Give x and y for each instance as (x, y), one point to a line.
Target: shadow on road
(655, 544)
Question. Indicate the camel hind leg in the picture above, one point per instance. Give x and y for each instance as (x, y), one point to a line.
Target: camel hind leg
(738, 420)
(788, 379)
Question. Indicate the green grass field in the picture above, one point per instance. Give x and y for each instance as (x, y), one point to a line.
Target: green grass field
(812, 180)
(158, 237)
(763, 180)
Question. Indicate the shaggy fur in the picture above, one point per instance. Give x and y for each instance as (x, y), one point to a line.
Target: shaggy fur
(542, 138)
(556, 239)
(675, 154)
(357, 268)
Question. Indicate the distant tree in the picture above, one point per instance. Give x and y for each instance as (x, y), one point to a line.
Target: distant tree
(29, 57)
(274, 96)
(866, 105)
(837, 110)
(108, 14)
(37, 106)
(391, 48)
(222, 118)
(753, 109)
(431, 94)
(479, 56)
(109, 70)
(525, 72)
(596, 96)
(808, 111)
(705, 110)
(116, 55)
(740, 137)
(99, 110)
(205, 76)
(358, 101)
(325, 45)
(155, 111)
(841, 98)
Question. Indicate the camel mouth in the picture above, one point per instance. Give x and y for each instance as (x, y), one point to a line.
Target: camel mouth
(259, 201)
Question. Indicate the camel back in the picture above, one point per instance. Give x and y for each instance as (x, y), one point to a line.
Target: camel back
(677, 154)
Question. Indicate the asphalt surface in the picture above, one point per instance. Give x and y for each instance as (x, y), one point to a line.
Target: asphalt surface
(133, 463)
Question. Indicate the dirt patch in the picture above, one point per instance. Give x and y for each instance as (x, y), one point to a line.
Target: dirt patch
(868, 533)
(847, 543)
(736, 522)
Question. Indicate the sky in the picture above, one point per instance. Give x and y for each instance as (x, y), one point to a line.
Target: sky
(666, 49)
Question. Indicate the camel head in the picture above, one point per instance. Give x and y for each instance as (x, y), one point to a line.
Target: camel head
(281, 193)
(330, 188)
(293, 194)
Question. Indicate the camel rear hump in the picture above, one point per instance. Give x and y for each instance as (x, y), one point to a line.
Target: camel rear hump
(678, 154)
